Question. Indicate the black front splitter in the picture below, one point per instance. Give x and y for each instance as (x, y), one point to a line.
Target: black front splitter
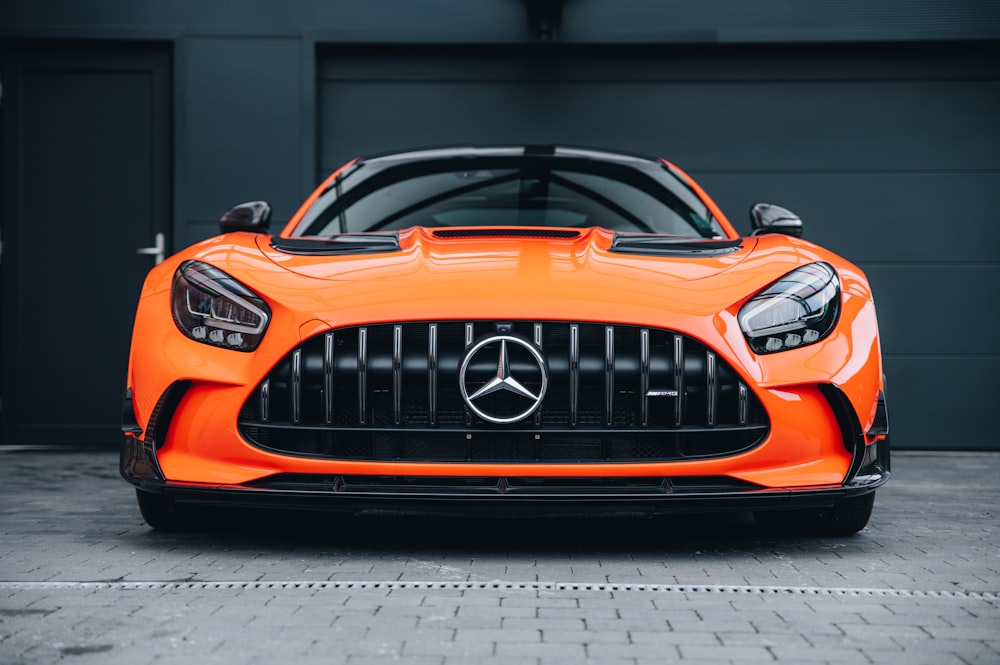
(541, 505)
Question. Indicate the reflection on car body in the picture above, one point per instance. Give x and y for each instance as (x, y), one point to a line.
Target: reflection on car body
(508, 330)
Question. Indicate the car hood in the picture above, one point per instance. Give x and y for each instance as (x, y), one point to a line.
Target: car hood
(507, 273)
(505, 254)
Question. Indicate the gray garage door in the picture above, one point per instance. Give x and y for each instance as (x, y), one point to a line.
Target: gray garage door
(891, 155)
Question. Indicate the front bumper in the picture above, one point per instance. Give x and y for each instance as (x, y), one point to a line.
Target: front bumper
(508, 496)
(824, 441)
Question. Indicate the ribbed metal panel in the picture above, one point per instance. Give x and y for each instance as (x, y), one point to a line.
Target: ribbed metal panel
(614, 393)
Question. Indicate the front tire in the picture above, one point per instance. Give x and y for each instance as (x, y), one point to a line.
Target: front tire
(161, 512)
(846, 517)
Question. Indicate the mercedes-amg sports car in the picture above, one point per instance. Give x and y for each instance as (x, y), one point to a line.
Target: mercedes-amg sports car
(540, 330)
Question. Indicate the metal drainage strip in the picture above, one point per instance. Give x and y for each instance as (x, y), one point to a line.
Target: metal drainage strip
(502, 586)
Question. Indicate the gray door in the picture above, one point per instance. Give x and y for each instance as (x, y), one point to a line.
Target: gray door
(890, 154)
(86, 182)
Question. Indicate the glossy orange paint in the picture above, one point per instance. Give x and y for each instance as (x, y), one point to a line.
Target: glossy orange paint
(511, 278)
(543, 279)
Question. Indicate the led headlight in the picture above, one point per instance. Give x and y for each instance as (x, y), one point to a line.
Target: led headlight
(799, 309)
(213, 308)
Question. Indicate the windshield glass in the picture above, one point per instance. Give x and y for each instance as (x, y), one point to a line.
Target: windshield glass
(512, 191)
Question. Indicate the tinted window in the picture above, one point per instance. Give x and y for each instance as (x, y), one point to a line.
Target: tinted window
(550, 192)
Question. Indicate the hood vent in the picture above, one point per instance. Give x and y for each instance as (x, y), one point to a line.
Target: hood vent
(506, 233)
(345, 243)
(657, 245)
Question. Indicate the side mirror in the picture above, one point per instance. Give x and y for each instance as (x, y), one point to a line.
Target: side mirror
(769, 218)
(253, 216)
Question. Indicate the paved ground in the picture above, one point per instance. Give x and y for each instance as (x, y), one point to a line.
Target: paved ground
(83, 580)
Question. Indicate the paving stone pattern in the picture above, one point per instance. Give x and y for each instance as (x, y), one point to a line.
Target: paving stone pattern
(83, 580)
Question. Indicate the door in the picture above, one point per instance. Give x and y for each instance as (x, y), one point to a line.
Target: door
(85, 183)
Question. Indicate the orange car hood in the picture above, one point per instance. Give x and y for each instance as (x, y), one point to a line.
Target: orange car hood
(545, 278)
(501, 256)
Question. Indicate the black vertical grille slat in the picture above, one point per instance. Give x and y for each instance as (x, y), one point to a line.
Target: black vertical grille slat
(397, 374)
(741, 417)
(362, 375)
(539, 340)
(329, 347)
(295, 379)
(615, 393)
(678, 380)
(264, 394)
(470, 336)
(711, 388)
(644, 361)
(432, 373)
(574, 374)
(609, 375)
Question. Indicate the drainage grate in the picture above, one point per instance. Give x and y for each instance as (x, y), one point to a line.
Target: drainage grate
(495, 585)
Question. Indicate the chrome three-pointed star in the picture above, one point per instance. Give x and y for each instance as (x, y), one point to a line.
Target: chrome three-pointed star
(503, 380)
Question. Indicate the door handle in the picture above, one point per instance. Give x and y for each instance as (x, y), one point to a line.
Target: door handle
(156, 250)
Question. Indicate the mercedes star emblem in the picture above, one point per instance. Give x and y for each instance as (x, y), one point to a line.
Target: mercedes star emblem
(499, 397)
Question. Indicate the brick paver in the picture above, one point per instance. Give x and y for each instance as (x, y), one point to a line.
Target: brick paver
(917, 587)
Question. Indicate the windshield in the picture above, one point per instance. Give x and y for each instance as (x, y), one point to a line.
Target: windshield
(512, 191)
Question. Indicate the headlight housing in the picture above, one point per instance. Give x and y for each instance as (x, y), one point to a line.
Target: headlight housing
(799, 309)
(211, 307)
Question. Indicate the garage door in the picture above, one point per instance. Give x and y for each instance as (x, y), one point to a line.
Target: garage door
(891, 156)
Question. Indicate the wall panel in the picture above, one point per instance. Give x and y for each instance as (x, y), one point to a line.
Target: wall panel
(890, 154)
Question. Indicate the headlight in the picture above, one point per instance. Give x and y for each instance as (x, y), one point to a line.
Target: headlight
(799, 309)
(213, 308)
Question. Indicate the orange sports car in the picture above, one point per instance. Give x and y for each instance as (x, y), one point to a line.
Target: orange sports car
(537, 329)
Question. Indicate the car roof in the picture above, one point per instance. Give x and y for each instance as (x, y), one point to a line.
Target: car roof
(557, 151)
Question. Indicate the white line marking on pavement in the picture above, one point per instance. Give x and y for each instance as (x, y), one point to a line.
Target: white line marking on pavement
(500, 586)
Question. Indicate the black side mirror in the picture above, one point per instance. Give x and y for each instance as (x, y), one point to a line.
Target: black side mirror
(253, 216)
(769, 218)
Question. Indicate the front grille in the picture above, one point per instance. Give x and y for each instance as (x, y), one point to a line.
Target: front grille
(614, 393)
